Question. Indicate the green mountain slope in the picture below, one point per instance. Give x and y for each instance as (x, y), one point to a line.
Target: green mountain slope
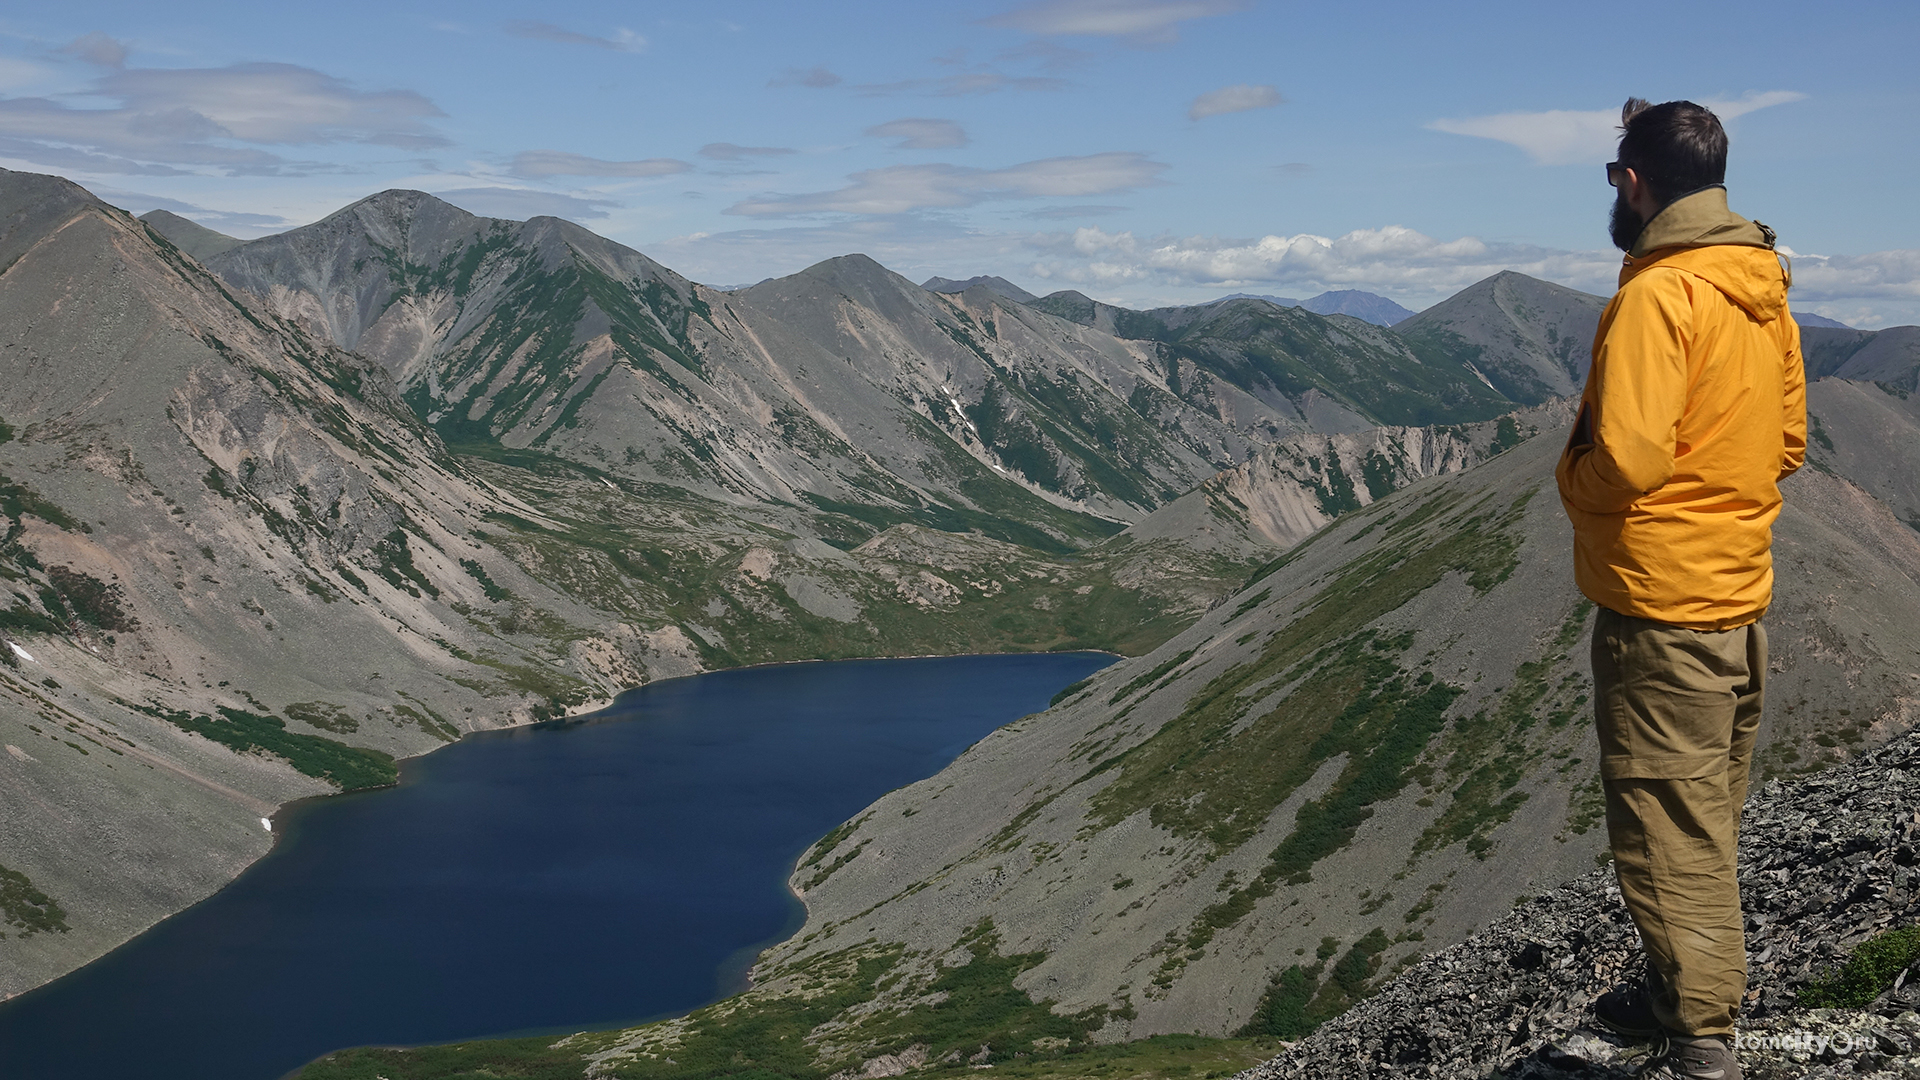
(241, 568)
(1317, 373)
(843, 386)
(1866, 432)
(1362, 757)
(1890, 356)
(1530, 339)
(236, 570)
(1346, 745)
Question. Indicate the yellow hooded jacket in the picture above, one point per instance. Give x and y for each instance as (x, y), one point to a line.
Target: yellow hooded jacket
(1694, 410)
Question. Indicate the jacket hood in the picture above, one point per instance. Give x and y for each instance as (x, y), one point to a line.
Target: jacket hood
(1698, 234)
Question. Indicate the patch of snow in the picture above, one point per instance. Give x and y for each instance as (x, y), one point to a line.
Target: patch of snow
(21, 653)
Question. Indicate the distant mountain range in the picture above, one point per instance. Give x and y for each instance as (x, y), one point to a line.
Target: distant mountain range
(282, 511)
(998, 285)
(1366, 306)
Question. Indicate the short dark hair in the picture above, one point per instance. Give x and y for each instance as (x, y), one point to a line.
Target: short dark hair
(1677, 147)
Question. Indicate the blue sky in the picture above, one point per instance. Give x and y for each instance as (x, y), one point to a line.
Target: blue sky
(1142, 151)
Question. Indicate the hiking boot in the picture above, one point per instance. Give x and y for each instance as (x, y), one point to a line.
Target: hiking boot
(1693, 1057)
(1628, 1012)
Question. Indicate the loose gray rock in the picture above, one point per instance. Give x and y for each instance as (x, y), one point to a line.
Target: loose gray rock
(1826, 862)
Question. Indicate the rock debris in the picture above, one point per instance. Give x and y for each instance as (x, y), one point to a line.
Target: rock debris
(1826, 863)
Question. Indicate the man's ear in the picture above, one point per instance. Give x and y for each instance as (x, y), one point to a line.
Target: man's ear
(1640, 195)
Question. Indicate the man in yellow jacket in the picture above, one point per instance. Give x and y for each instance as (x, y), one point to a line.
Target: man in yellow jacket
(1694, 410)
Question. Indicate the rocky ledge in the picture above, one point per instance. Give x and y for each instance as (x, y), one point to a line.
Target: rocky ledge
(1828, 864)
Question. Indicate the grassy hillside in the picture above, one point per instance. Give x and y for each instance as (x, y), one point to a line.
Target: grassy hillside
(1368, 752)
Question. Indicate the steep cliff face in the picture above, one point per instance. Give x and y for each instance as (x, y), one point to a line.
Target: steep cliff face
(844, 384)
(235, 572)
(1290, 490)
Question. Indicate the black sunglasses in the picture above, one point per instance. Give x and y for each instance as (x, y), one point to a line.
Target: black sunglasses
(1616, 173)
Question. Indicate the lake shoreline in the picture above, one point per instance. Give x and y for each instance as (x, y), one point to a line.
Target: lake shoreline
(294, 822)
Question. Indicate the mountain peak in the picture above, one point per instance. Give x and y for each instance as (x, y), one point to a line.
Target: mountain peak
(1529, 338)
(33, 203)
(1371, 307)
(852, 273)
(999, 285)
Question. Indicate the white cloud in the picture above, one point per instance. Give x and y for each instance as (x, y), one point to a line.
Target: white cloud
(1556, 137)
(621, 40)
(726, 151)
(1884, 280)
(1868, 291)
(532, 163)
(191, 117)
(71, 159)
(1752, 100)
(1233, 99)
(244, 225)
(1393, 260)
(920, 133)
(816, 78)
(518, 204)
(1146, 21)
(267, 103)
(1571, 136)
(903, 188)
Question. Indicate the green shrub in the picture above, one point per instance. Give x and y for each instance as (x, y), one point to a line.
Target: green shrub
(26, 908)
(1865, 974)
(349, 768)
(324, 715)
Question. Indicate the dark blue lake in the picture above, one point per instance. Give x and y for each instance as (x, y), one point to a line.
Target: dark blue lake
(579, 875)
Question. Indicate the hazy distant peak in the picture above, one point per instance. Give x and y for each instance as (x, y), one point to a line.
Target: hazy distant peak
(1371, 307)
(1283, 301)
(190, 236)
(999, 285)
(1071, 295)
(1808, 318)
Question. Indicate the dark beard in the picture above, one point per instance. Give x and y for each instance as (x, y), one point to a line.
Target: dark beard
(1624, 224)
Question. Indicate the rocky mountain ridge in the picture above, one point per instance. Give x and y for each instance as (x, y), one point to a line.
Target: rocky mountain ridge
(553, 468)
(248, 558)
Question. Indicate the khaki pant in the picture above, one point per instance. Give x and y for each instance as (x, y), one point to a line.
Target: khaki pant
(1677, 711)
